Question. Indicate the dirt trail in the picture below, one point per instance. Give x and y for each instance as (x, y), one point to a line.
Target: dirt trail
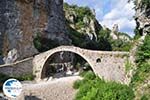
(57, 89)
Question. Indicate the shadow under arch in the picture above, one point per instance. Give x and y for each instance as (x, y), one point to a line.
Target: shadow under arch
(46, 67)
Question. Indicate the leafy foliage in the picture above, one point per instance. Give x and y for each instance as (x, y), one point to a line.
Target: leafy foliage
(93, 88)
(26, 77)
(144, 97)
(143, 53)
(82, 40)
(141, 74)
(110, 44)
(146, 3)
(104, 40)
(4, 77)
(120, 45)
(137, 33)
(142, 60)
(80, 11)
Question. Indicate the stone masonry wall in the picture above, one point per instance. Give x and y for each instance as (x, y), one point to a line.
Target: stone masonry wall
(19, 68)
(107, 65)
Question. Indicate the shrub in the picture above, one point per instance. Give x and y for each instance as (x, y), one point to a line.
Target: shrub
(120, 45)
(143, 53)
(89, 75)
(144, 97)
(3, 78)
(26, 77)
(108, 44)
(93, 88)
(143, 67)
(77, 84)
(146, 3)
(137, 33)
(44, 44)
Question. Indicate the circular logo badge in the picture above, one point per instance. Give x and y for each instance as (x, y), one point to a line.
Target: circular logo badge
(12, 88)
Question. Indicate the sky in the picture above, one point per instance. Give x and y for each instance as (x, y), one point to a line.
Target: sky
(110, 12)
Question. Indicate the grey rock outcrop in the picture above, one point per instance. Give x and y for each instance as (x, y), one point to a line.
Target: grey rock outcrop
(1, 60)
(86, 24)
(57, 30)
(2, 23)
(11, 57)
(116, 35)
(56, 27)
(114, 32)
(16, 29)
(21, 20)
(142, 17)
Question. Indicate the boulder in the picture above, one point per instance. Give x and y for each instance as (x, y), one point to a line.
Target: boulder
(11, 57)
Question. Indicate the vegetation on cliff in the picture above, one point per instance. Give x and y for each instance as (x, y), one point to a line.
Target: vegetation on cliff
(143, 65)
(142, 74)
(144, 3)
(85, 32)
(82, 35)
(44, 44)
(79, 13)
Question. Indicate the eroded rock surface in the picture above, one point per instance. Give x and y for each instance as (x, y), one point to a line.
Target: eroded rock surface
(16, 28)
(142, 17)
(21, 20)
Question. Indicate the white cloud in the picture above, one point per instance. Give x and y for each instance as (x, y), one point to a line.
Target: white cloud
(123, 23)
(121, 14)
(110, 12)
(93, 4)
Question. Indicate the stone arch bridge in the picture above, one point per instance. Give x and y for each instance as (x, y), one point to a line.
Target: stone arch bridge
(107, 65)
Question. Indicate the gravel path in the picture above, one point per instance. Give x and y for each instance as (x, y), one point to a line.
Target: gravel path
(57, 89)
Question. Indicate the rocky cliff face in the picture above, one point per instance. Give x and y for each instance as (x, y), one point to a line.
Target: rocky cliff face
(142, 16)
(56, 27)
(20, 20)
(115, 34)
(17, 27)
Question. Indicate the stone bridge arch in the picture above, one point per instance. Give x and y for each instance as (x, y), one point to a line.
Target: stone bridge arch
(71, 50)
(40, 60)
(105, 64)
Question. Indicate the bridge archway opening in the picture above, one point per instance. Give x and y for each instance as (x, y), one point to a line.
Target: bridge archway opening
(63, 67)
(98, 60)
